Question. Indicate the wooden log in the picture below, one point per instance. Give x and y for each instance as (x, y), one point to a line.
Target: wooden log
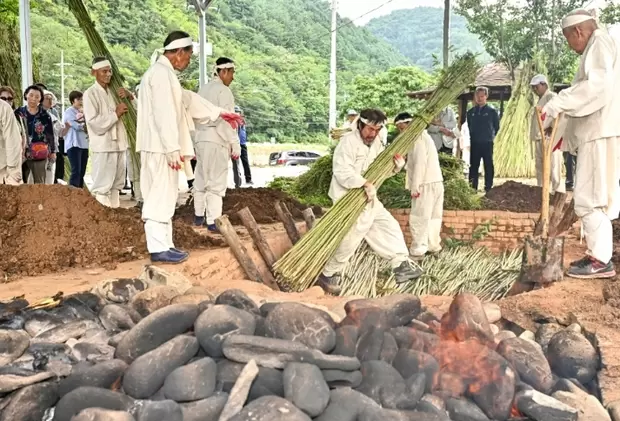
(309, 218)
(232, 239)
(289, 223)
(248, 221)
(557, 207)
(567, 219)
(543, 260)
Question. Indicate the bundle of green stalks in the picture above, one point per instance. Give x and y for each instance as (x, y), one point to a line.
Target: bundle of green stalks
(513, 157)
(455, 270)
(300, 267)
(99, 49)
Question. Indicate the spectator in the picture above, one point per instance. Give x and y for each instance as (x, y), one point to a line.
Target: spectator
(483, 123)
(443, 131)
(54, 166)
(243, 137)
(76, 139)
(40, 143)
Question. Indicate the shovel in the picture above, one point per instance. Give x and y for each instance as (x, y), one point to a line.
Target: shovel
(543, 256)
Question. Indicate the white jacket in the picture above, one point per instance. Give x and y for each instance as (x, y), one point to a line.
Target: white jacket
(220, 131)
(448, 119)
(591, 103)
(10, 138)
(423, 164)
(165, 112)
(535, 130)
(351, 159)
(106, 132)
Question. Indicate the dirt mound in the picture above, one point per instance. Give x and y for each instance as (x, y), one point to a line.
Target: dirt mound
(514, 197)
(46, 228)
(261, 202)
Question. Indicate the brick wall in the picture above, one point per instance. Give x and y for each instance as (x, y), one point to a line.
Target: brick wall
(506, 229)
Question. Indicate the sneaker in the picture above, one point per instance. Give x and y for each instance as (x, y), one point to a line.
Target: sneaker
(169, 256)
(407, 271)
(590, 268)
(329, 284)
(579, 262)
(199, 221)
(249, 183)
(213, 228)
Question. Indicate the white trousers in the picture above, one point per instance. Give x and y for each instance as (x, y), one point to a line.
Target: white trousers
(211, 179)
(134, 177)
(382, 233)
(11, 176)
(597, 194)
(159, 184)
(50, 172)
(425, 219)
(557, 160)
(108, 172)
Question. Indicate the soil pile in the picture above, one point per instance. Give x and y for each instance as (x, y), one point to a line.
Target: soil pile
(261, 202)
(514, 197)
(45, 228)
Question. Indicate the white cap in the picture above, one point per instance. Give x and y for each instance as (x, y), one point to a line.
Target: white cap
(352, 112)
(538, 79)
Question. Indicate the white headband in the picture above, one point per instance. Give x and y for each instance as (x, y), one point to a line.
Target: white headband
(372, 123)
(406, 120)
(174, 45)
(223, 66)
(101, 64)
(576, 19)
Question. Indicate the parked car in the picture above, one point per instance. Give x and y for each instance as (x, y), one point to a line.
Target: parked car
(287, 158)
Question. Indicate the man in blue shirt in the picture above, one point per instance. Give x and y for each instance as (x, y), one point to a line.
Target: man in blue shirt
(243, 137)
(483, 123)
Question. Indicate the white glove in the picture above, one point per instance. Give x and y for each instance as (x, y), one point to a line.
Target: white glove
(235, 150)
(174, 160)
(399, 163)
(371, 192)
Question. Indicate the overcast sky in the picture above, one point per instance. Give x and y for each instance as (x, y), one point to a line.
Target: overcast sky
(352, 9)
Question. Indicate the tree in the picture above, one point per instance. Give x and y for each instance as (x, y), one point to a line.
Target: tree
(513, 32)
(388, 90)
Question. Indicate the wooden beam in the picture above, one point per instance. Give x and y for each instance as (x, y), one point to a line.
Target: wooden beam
(289, 223)
(232, 239)
(309, 218)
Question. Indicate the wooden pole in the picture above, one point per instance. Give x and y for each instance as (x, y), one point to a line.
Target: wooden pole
(232, 239)
(547, 146)
(289, 223)
(248, 221)
(309, 218)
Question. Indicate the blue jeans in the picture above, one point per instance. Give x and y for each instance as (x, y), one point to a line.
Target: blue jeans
(78, 158)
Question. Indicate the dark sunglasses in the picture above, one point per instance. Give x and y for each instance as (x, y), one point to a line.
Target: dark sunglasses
(6, 98)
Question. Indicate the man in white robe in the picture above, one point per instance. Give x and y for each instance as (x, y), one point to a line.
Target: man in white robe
(11, 149)
(425, 181)
(540, 86)
(165, 122)
(355, 152)
(107, 135)
(592, 107)
(216, 144)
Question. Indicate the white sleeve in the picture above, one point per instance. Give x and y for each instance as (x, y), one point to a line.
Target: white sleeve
(98, 121)
(417, 162)
(12, 137)
(344, 166)
(589, 95)
(164, 111)
(201, 110)
(226, 101)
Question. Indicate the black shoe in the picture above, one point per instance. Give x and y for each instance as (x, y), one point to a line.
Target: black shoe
(590, 268)
(329, 284)
(569, 187)
(407, 271)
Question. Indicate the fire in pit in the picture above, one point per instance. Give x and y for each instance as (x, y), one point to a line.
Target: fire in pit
(176, 351)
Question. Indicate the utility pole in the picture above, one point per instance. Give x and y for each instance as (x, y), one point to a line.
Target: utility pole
(201, 7)
(446, 34)
(332, 71)
(63, 77)
(25, 43)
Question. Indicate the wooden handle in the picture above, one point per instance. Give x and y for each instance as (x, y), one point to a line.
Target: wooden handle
(546, 146)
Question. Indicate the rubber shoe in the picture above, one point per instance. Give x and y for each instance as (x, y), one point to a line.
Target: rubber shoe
(169, 256)
(213, 228)
(590, 268)
(176, 250)
(407, 271)
(329, 284)
(199, 221)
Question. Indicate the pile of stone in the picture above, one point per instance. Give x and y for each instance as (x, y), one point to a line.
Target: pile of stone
(155, 348)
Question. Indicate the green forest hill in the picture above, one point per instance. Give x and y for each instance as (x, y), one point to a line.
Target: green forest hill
(418, 34)
(281, 47)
